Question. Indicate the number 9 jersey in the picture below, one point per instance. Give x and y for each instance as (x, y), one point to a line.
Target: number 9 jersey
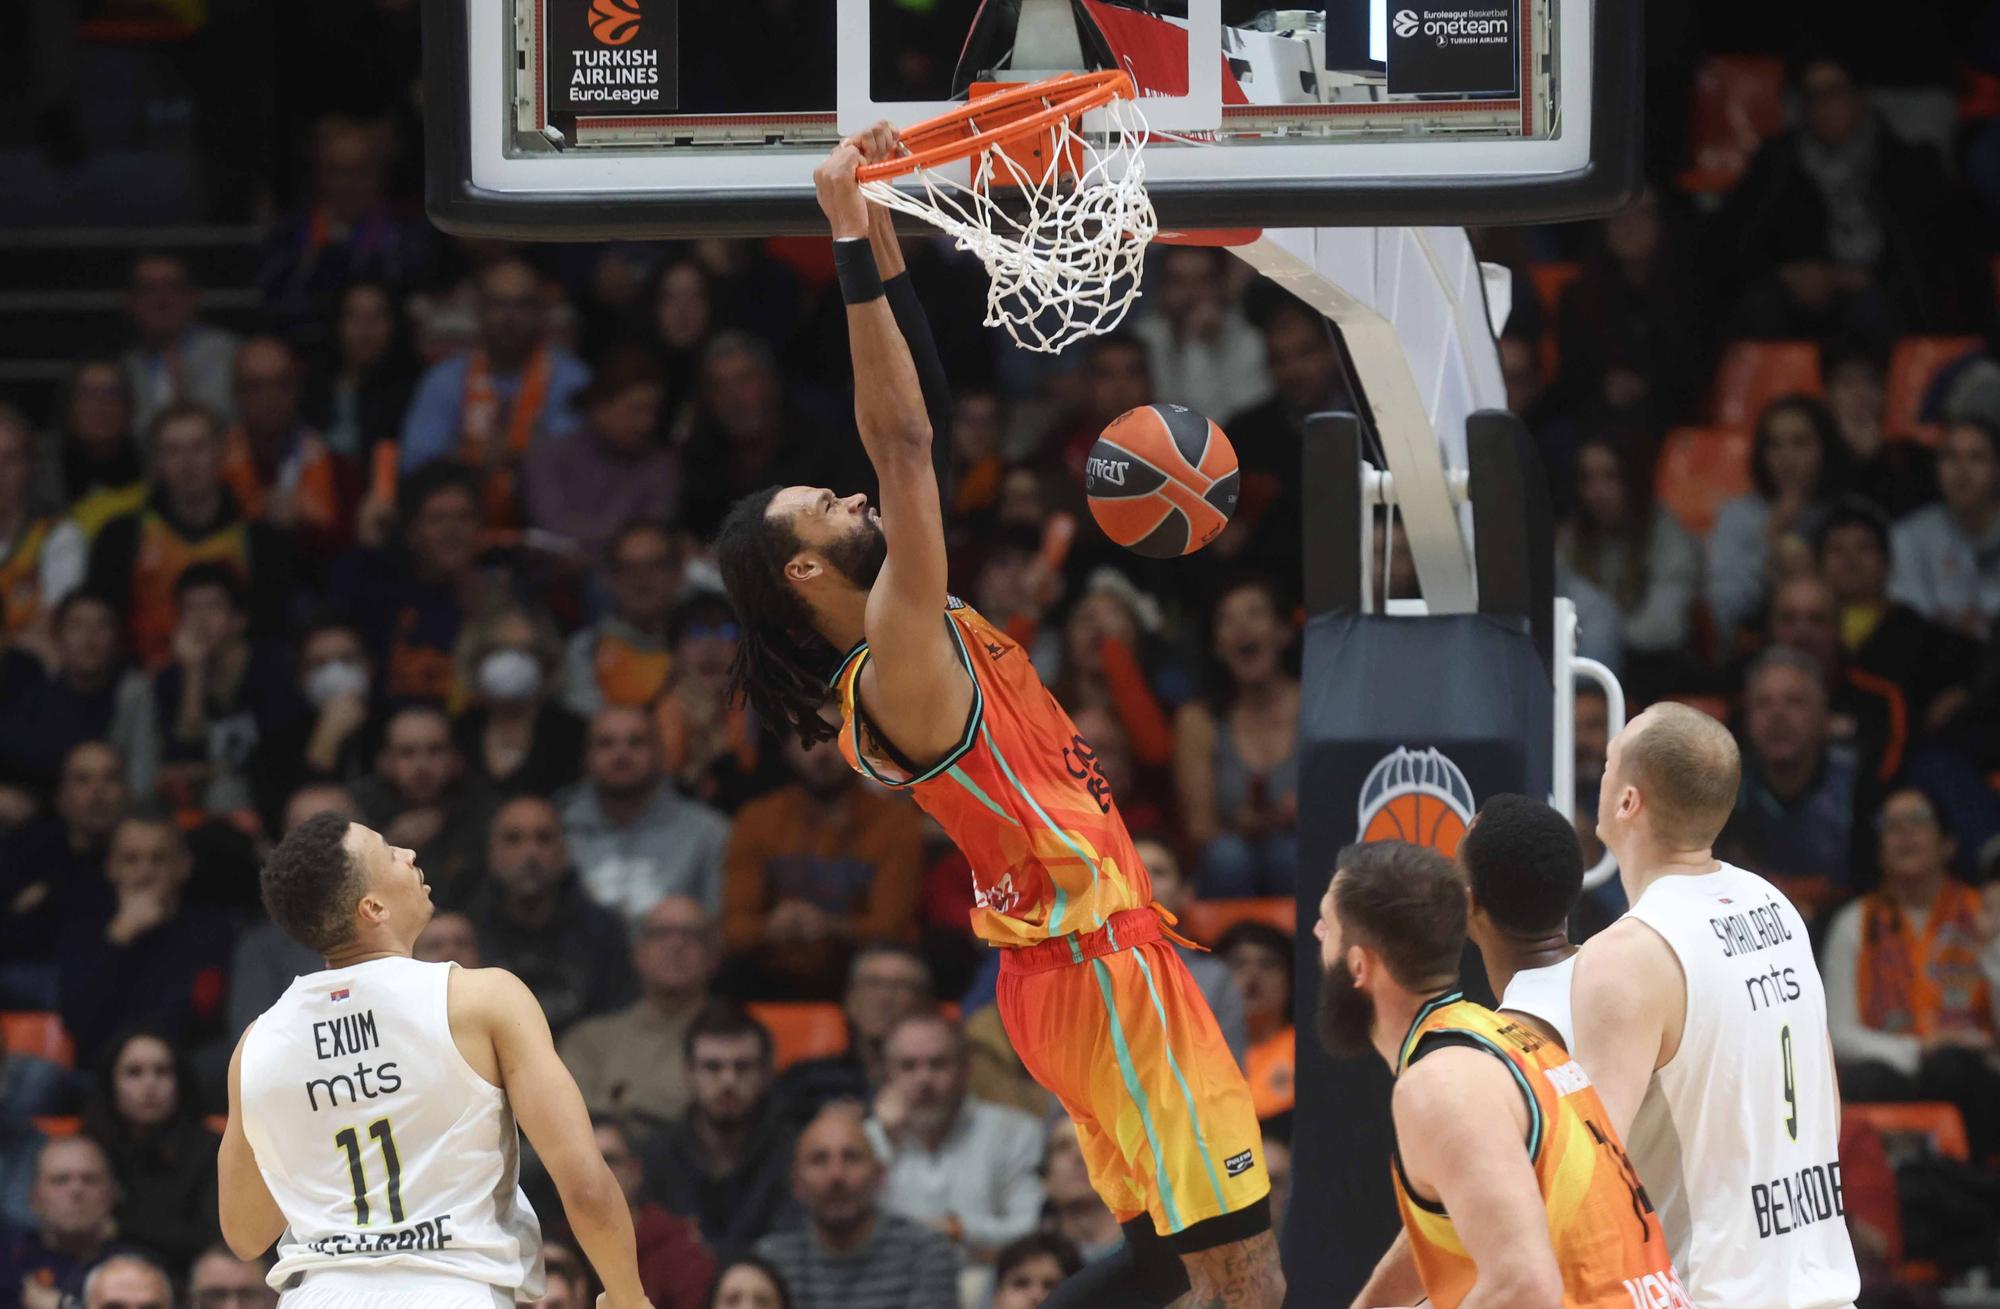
(381, 1145)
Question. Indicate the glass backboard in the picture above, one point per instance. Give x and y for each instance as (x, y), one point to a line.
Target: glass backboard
(574, 119)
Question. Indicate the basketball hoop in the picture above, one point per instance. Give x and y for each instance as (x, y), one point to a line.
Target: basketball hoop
(1060, 217)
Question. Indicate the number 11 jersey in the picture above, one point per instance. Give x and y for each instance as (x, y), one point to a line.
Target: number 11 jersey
(381, 1145)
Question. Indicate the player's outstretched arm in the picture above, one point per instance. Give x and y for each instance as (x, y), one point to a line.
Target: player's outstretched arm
(923, 694)
(1622, 1001)
(551, 1112)
(251, 1219)
(1461, 1127)
(1395, 1280)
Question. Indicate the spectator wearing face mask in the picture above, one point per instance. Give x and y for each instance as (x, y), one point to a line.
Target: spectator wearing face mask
(515, 738)
(334, 738)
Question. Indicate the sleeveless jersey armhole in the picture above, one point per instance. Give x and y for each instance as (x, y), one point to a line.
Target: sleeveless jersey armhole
(1431, 1042)
(856, 661)
(458, 1061)
(1686, 995)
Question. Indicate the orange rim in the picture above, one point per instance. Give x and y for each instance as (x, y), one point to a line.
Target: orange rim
(936, 141)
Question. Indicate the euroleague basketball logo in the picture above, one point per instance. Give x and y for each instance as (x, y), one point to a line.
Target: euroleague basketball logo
(1406, 22)
(1418, 796)
(614, 22)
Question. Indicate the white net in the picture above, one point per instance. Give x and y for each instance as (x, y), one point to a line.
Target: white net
(1062, 250)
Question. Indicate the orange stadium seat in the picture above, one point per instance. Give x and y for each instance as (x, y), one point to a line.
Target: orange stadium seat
(801, 1031)
(1206, 920)
(1551, 280)
(1936, 1121)
(1913, 366)
(1752, 374)
(1700, 469)
(32, 1032)
(63, 1126)
(1738, 102)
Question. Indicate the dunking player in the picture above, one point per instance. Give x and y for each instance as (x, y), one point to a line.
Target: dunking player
(1513, 1189)
(372, 1109)
(1701, 1016)
(932, 697)
(1524, 873)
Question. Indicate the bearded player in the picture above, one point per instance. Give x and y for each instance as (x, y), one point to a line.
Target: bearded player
(1514, 1190)
(844, 609)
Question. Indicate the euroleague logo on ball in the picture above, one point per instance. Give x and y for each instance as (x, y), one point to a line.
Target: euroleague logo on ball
(614, 22)
(1419, 796)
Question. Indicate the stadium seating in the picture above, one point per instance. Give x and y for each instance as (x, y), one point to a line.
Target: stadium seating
(1939, 1123)
(1913, 366)
(1206, 920)
(1699, 470)
(1551, 280)
(1738, 101)
(801, 1031)
(1751, 374)
(32, 1032)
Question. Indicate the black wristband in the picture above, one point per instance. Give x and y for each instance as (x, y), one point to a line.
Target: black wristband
(854, 263)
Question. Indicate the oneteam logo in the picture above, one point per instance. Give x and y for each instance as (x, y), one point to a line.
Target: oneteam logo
(1406, 22)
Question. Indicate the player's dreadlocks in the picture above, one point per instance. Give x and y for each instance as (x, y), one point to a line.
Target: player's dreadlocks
(781, 663)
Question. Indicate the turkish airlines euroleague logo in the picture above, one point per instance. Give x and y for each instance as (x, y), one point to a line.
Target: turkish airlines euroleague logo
(614, 22)
(1419, 796)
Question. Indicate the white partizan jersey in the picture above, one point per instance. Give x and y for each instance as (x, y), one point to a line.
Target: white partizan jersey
(381, 1145)
(1543, 993)
(1738, 1142)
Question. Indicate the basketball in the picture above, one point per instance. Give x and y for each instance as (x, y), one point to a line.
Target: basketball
(1162, 480)
(614, 22)
(1419, 819)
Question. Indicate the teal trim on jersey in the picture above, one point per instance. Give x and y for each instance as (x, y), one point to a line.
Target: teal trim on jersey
(975, 721)
(1459, 1034)
(1138, 1094)
(1075, 948)
(1187, 1095)
(1056, 912)
(845, 660)
(958, 775)
(1430, 1007)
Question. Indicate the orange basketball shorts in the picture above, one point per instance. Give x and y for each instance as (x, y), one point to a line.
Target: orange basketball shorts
(1111, 1022)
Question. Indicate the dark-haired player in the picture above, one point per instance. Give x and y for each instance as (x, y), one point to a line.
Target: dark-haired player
(932, 697)
(372, 1109)
(1514, 1191)
(1524, 874)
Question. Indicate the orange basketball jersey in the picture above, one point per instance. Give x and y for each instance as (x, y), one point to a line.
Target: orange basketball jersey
(1020, 795)
(1607, 1239)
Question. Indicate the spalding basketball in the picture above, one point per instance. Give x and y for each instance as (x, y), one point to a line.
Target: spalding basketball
(1162, 480)
(614, 22)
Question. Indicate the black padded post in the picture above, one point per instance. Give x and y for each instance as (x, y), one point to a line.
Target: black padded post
(1330, 463)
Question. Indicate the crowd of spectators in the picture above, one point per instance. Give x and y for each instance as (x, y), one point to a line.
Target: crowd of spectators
(427, 544)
